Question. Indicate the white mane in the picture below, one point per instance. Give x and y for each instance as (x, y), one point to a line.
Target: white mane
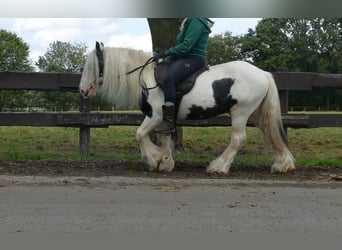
(125, 89)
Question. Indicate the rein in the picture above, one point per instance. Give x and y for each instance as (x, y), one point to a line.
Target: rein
(149, 61)
(142, 67)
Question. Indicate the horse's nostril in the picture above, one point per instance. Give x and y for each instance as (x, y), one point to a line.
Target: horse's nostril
(84, 93)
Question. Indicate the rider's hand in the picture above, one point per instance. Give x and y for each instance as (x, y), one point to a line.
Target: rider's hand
(159, 55)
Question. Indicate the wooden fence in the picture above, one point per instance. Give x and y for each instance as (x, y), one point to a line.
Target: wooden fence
(85, 119)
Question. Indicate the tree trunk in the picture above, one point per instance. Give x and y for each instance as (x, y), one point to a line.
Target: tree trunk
(163, 33)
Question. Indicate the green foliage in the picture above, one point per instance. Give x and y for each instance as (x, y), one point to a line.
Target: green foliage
(14, 55)
(223, 48)
(14, 52)
(298, 44)
(327, 35)
(61, 57)
(268, 46)
(15, 100)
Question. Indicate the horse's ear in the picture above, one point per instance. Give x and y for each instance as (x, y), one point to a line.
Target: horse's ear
(99, 46)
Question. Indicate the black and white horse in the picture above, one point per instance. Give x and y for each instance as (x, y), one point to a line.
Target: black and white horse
(237, 88)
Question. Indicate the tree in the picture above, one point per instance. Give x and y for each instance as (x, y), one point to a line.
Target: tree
(317, 43)
(223, 48)
(62, 57)
(14, 52)
(327, 35)
(163, 32)
(14, 55)
(300, 45)
(267, 46)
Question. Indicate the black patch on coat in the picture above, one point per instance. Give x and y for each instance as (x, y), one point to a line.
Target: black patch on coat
(223, 101)
(145, 107)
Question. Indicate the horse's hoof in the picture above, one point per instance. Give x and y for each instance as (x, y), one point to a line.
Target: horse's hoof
(217, 167)
(166, 164)
(152, 165)
(278, 169)
(216, 171)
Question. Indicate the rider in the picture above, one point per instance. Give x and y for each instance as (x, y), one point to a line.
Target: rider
(187, 56)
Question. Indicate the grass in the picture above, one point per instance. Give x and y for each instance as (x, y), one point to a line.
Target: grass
(311, 147)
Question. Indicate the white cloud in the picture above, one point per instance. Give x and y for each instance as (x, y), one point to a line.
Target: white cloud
(237, 26)
(143, 42)
(42, 38)
(40, 32)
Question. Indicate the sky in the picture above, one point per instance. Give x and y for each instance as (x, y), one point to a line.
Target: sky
(134, 33)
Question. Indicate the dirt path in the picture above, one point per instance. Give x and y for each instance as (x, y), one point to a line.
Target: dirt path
(116, 196)
(168, 205)
(182, 170)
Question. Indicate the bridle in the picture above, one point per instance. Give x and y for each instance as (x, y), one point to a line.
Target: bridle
(99, 54)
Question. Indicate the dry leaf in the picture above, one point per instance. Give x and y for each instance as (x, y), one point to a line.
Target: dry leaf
(233, 205)
(335, 177)
(168, 189)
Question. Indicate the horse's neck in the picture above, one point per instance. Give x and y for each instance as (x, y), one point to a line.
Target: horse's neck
(123, 87)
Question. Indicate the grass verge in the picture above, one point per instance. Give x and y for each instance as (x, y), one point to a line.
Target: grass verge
(311, 147)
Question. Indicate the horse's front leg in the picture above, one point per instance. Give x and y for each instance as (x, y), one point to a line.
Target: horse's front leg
(154, 157)
(167, 163)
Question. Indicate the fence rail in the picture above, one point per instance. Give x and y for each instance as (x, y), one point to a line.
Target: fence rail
(103, 120)
(85, 119)
(70, 81)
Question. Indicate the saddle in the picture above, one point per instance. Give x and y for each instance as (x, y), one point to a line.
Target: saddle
(181, 88)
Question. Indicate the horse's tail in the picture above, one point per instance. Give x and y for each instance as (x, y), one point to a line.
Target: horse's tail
(269, 121)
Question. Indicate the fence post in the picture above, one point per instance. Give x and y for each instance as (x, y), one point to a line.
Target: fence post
(284, 101)
(84, 130)
(284, 98)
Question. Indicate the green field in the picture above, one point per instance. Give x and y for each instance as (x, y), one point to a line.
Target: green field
(311, 147)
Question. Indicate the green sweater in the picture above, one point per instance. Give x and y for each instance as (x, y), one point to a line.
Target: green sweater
(192, 40)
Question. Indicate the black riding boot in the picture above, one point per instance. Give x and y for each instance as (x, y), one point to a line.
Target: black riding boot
(168, 124)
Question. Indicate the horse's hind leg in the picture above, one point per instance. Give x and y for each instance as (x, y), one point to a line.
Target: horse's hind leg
(238, 137)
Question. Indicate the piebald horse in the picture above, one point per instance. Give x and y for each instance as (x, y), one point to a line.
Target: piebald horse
(237, 88)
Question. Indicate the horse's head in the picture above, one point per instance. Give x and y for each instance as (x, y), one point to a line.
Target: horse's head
(92, 75)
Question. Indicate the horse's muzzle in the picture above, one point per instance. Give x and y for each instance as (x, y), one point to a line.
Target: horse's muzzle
(87, 93)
